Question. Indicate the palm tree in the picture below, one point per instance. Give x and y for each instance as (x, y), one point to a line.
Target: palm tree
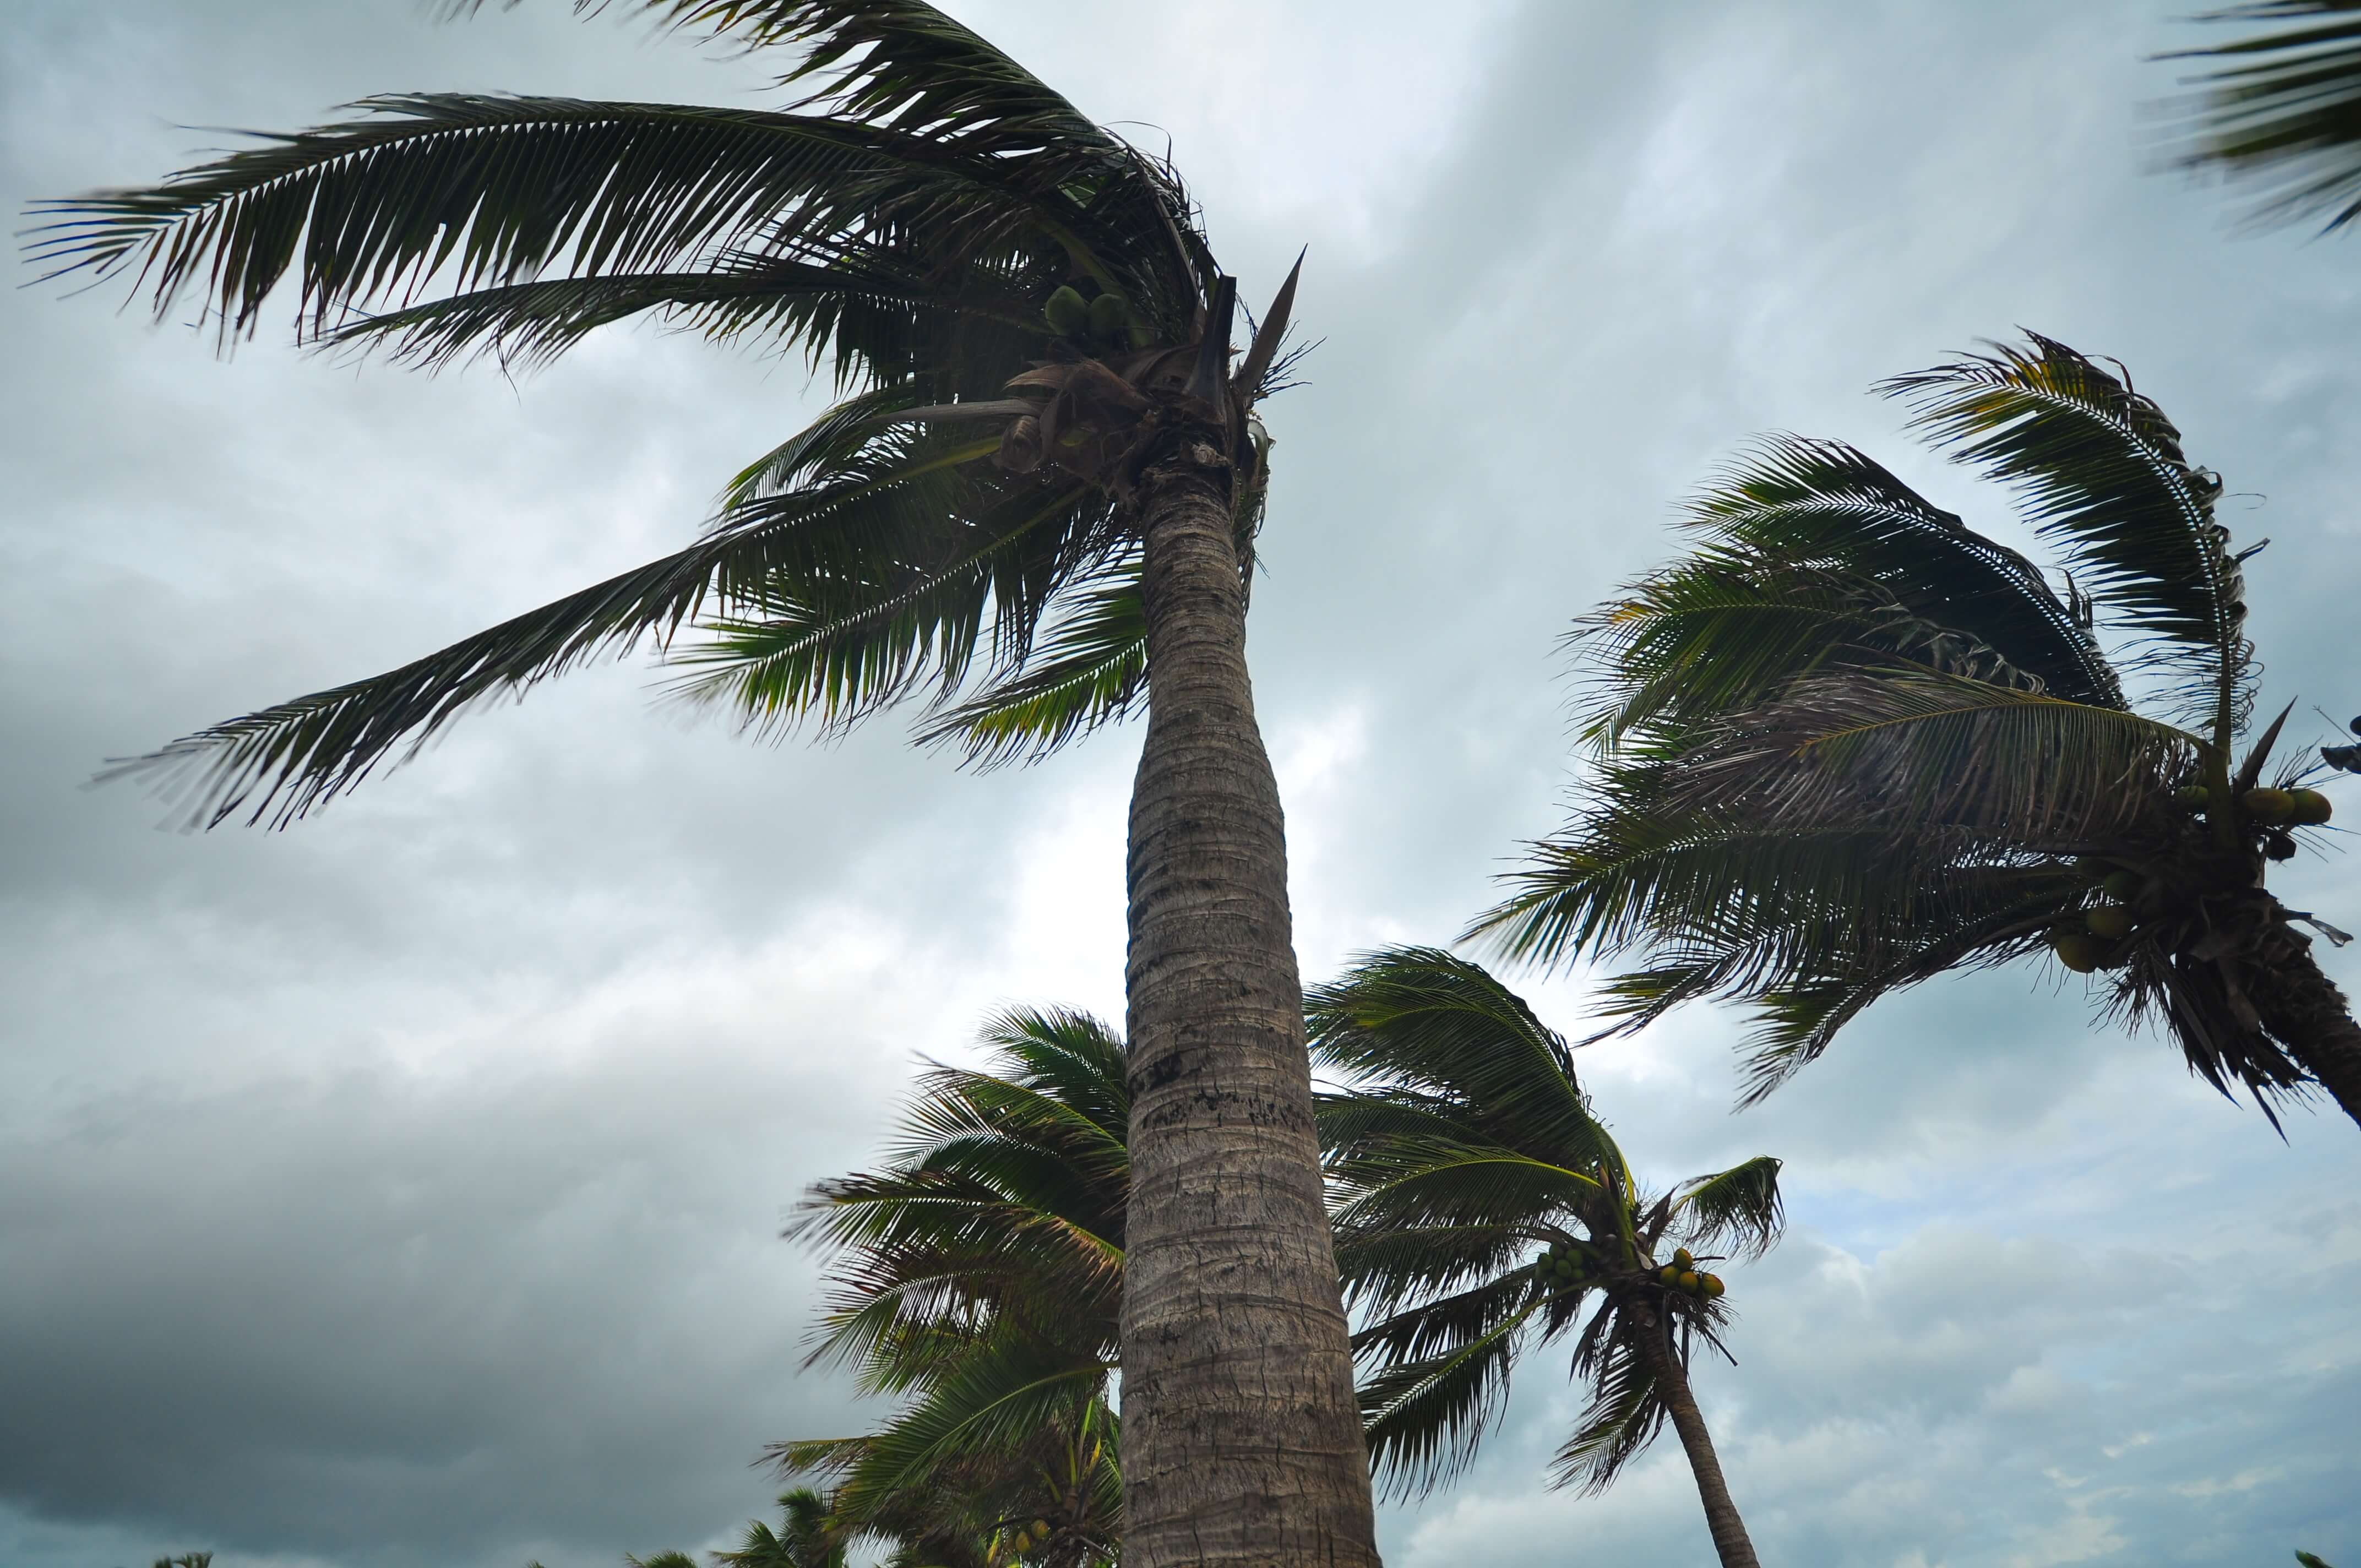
(1033, 511)
(1483, 1211)
(980, 1276)
(805, 1538)
(1849, 743)
(2282, 108)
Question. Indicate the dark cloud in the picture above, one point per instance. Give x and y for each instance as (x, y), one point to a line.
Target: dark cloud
(399, 1189)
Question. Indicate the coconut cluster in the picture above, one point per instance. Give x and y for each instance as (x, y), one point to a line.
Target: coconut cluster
(1106, 321)
(1025, 1539)
(1566, 1264)
(1682, 1275)
(2132, 896)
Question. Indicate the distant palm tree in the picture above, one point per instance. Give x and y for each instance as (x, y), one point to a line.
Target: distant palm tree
(2282, 109)
(1035, 507)
(803, 1539)
(980, 1276)
(1847, 744)
(1483, 1211)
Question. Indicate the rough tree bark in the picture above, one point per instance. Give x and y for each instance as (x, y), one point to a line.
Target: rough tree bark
(2302, 1008)
(1730, 1539)
(1241, 1433)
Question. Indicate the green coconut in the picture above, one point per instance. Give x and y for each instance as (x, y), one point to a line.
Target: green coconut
(2268, 805)
(2311, 809)
(1111, 318)
(1683, 1257)
(1670, 1273)
(2079, 952)
(2123, 886)
(1713, 1286)
(2193, 796)
(2111, 921)
(1689, 1280)
(1067, 314)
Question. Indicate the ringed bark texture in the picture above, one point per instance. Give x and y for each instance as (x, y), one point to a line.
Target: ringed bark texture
(2302, 1007)
(1241, 1439)
(1730, 1538)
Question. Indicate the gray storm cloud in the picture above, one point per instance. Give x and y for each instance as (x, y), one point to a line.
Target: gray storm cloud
(402, 1189)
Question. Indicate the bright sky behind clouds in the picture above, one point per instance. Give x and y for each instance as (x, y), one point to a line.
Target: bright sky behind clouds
(402, 1190)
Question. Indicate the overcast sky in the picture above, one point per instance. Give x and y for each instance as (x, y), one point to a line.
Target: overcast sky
(402, 1190)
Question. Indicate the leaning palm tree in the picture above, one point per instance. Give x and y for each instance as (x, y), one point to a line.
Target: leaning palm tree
(2282, 109)
(1849, 743)
(979, 1276)
(1031, 512)
(1484, 1212)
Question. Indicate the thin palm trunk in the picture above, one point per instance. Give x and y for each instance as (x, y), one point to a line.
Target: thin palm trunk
(1242, 1435)
(2304, 1009)
(1730, 1540)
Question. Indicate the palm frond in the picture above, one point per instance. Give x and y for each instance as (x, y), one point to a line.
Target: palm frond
(1425, 1418)
(1423, 1018)
(1626, 1409)
(2282, 110)
(1738, 1208)
(2099, 471)
(1089, 671)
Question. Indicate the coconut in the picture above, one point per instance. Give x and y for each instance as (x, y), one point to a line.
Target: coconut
(1109, 318)
(2194, 796)
(1689, 1280)
(2311, 809)
(2123, 886)
(2078, 952)
(1683, 1257)
(2111, 921)
(1670, 1273)
(2268, 805)
(1713, 1286)
(1065, 311)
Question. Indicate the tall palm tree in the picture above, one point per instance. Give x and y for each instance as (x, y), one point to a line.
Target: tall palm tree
(803, 1539)
(2282, 109)
(1847, 744)
(979, 1276)
(1482, 1212)
(1033, 509)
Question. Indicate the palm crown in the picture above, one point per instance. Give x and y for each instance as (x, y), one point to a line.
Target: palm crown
(1849, 743)
(1484, 1211)
(951, 526)
(979, 1276)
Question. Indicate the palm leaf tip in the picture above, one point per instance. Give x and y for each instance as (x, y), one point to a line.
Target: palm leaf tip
(2280, 110)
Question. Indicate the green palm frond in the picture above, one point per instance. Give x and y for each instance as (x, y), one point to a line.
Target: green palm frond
(1421, 1018)
(2282, 109)
(1625, 1412)
(1866, 744)
(1738, 1208)
(1088, 671)
(1425, 1417)
(2100, 472)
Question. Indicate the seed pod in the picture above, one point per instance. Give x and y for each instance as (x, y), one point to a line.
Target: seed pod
(1066, 314)
(2268, 805)
(2311, 809)
(2111, 921)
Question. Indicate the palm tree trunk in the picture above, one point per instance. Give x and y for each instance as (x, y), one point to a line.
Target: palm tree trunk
(1730, 1539)
(2304, 1011)
(1241, 1435)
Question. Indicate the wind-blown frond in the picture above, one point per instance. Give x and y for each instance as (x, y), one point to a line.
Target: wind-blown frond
(2282, 109)
(2100, 472)
(1425, 1416)
(1739, 1208)
(1088, 671)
